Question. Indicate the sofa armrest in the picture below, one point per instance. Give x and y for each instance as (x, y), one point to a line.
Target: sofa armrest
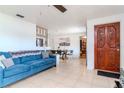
(1, 75)
(52, 56)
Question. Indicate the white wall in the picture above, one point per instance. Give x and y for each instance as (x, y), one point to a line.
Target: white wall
(16, 34)
(74, 43)
(51, 39)
(90, 37)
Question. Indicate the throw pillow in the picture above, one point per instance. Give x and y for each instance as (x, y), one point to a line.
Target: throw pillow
(45, 55)
(1, 65)
(8, 62)
(2, 57)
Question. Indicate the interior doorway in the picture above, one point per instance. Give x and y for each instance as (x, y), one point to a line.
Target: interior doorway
(83, 42)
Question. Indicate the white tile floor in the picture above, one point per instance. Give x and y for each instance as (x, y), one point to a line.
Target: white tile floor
(69, 74)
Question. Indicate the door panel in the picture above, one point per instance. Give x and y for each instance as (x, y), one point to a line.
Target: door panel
(111, 59)
(100, 58)
(107, 47)
(101, 37)
(111, 36)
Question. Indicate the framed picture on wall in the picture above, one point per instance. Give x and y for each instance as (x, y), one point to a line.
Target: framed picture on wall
(65, 41)
(39, 42)
(41, 36)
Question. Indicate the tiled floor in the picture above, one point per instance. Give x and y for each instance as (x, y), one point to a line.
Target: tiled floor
(69, 74)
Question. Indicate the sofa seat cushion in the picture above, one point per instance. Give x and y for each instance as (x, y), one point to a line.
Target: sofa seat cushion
(35, 63)
(15, 69)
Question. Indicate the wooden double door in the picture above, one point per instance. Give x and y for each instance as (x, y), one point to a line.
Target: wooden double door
(107, 47)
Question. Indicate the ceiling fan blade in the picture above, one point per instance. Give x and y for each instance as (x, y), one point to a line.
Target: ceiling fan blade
(60, 8)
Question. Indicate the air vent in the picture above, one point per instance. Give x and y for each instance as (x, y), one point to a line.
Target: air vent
(21, 16)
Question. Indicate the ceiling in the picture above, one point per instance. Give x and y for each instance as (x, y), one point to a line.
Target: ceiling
(51, 18)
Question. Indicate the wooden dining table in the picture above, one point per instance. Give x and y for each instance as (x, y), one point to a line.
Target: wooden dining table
(63, 53)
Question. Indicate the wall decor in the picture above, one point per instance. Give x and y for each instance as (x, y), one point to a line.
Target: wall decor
(64, 41)
(41, 37)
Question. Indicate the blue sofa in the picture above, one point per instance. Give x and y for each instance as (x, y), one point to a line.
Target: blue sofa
(25, 66)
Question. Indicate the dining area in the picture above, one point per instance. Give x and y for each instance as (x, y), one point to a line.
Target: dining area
(63, 54)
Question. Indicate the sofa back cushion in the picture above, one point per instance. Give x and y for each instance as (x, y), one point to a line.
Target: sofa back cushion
(30, 58)
(16, 60)
(6, 54)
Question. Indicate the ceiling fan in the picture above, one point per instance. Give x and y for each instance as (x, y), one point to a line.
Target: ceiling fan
(61, 8)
